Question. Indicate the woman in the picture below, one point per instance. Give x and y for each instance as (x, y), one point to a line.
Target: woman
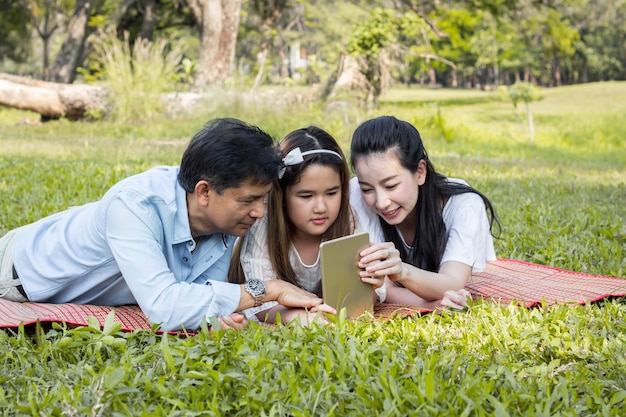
(441, 227)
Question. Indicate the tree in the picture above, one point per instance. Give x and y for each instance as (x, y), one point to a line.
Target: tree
(368, 46)
(87, 18)
(558, 42)
(322, 31)
(71, 54)
(526, 92)
(461, 26)
(149, 19)
(218, 21)
(44, 18)
(269, 14)
(386, 36)
(15, 26)
(588, 38)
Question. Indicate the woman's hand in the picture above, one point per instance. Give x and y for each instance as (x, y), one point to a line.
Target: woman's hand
(380, 260)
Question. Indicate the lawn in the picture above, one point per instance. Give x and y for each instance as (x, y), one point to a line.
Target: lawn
(561, 201)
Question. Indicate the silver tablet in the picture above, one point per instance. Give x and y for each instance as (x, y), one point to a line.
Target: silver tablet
(341, 285)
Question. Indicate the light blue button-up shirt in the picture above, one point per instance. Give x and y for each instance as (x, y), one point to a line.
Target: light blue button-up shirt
(134, 246)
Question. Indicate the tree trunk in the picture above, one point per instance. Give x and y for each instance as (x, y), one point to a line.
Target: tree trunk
(557, 70)
(384, 66)
(496, 74)
(329, 85)
(432, 76)
(261, 59)
(284, 61)
(45, 28)
(51, 100)
(355, 77)
(46, 56)
(68, 59)
(112, 22)
(531, 125)
(149, 19)
(218, 21)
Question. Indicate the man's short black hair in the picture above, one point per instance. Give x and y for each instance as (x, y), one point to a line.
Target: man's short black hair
(226, 152)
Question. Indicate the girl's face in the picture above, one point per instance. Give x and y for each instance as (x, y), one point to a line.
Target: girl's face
(313, 204)
(388, 188)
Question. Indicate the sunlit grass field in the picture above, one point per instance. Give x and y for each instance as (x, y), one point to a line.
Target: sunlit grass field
(561, 201)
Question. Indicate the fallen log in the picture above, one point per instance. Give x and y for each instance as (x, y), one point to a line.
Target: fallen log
(80, 101)
(51, 100)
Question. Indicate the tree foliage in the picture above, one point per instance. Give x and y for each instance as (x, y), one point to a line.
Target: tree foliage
(454, 43)
(526, 92)
(15, 27)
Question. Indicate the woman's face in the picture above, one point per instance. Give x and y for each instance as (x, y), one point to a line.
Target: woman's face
(388, 188)
(313, 204)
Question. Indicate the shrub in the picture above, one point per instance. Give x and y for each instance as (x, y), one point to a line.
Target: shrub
(135, 77)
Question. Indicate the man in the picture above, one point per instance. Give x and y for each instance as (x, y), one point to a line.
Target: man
(161, 239)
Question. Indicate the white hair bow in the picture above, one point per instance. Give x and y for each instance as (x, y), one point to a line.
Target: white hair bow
(296, 156)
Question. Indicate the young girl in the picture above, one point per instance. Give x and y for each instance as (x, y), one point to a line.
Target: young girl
(441, 227)
(308, 204)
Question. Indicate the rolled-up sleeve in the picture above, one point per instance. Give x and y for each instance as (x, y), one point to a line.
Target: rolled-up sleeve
(256, 263)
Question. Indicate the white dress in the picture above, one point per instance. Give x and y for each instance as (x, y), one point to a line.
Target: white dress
(465, 216)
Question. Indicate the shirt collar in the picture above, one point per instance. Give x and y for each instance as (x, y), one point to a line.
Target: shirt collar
(182, 230)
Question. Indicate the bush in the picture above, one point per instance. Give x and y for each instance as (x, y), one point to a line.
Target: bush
(135, 77)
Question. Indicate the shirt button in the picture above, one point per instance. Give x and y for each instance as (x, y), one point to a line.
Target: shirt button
(190, 243)
(185, 259)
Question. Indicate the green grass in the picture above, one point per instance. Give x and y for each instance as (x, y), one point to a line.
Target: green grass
(561, 201)
(483, 362)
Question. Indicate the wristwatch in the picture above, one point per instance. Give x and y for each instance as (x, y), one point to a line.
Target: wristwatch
(256, 288)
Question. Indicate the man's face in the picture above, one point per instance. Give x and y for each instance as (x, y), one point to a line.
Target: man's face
(235, 210)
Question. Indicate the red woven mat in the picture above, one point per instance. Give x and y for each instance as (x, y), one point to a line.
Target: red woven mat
(504, 280)
(12, 314)
(528, 284)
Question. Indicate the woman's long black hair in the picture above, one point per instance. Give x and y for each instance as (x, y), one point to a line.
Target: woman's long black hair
(383, 133)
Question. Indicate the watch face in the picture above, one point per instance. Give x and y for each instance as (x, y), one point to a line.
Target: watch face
(256, 286)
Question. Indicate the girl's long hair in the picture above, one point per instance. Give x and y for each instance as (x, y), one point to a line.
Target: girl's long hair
(280, 229)
(377, 136)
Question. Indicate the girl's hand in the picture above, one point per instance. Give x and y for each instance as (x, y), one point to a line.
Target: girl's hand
(455, 299)
(289, 295)
(378, 261)
(235, 321)
(323, 308)
(305, 317)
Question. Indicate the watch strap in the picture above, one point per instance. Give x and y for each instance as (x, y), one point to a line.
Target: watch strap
(256, 288)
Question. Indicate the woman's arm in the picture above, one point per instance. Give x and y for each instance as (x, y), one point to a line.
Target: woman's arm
(452, 275)
(383, 259)
(469, 244)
